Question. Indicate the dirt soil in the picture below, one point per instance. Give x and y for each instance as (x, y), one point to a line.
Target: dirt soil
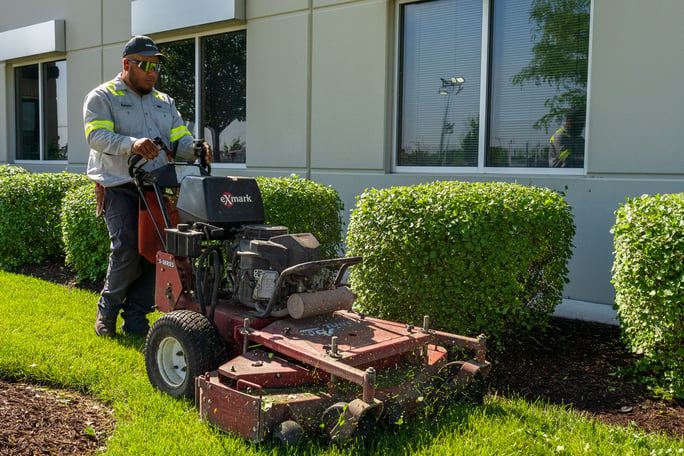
(575, 363)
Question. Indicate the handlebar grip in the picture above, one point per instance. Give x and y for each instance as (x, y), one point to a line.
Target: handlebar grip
(132, 161)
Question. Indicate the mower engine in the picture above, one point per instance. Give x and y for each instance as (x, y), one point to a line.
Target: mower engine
(259, 266)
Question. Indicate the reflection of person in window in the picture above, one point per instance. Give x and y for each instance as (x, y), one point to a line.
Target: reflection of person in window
(567, 144)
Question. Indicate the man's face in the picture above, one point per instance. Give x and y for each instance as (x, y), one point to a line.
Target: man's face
(137, 78)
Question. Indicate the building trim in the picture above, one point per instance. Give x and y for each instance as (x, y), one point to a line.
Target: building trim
(33, 40)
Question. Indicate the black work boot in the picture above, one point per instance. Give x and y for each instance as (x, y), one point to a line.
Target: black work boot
(105, 326)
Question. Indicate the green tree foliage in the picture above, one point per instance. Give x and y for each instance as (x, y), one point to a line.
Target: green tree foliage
(560, 55)
(648, 275)
(476, 257)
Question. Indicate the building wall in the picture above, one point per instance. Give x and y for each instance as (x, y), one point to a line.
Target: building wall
(278, 85)
(320, 103)
(636, 94)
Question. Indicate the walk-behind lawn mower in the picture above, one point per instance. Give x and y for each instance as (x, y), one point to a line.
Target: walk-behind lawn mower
(260, 330)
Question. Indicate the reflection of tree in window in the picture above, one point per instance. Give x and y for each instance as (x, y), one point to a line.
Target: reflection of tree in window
(223, 88)
(224, 94)
(178, 76)
(539, 70)
(56, 127)
(560, 55)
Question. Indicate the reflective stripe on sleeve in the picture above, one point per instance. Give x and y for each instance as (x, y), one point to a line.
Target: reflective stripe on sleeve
(179, 132)
(96, 124)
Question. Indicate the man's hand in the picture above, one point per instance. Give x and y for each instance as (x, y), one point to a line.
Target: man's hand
(146, 148)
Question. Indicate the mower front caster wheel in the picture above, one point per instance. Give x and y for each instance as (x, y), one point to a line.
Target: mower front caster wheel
(180, 346)
(333, 421)
(289, 433)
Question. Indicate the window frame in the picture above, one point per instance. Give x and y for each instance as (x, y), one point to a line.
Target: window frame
(42, 78)
(485, 81)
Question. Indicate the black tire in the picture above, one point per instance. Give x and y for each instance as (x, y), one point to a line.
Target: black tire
(180, 346)
(363, 434)
(331, 417)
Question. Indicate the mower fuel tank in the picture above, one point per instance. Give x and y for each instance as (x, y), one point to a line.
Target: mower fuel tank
(301, 247)
(224, 202)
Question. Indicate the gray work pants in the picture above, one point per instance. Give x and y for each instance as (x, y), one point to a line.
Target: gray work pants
(129, 285)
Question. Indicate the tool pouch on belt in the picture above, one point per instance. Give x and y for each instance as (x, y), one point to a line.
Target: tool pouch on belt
(99, 199)
(149, 241)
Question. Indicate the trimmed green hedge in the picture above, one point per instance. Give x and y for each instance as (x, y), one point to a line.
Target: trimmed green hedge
(304, 206)
(86, 239)
(477, 258)
(9, 170)
(30, 216)
(648, 275)
(299, 204)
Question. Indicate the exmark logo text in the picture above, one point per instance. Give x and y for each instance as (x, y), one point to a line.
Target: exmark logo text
(228, 200)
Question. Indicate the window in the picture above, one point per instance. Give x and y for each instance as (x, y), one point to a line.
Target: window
(218, 103)
(41, 111)
(486, 83)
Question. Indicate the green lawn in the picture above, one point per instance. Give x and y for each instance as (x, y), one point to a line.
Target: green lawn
(46, 336)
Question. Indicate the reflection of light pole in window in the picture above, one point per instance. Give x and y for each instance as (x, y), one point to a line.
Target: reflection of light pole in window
(450, 88)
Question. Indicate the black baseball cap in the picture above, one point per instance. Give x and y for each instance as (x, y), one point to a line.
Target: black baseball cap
(142, 45)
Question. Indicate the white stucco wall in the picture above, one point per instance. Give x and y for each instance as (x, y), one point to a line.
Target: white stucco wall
(349, 61)
(278, 68)
(636, 87)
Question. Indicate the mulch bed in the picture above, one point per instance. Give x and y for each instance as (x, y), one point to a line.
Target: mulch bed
(38, 420)
(575, 363)
(585, 366)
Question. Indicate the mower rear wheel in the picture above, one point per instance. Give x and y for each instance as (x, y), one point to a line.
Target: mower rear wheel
(180, 346)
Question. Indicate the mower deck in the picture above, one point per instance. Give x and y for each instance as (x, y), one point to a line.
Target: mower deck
(294, 373)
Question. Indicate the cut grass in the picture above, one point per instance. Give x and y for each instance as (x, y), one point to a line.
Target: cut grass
(46, 337)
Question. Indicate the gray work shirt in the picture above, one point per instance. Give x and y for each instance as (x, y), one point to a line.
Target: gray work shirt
(115, 117)
(566, 150)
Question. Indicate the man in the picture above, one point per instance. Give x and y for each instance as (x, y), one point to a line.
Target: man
(121, 116)
(567, 144)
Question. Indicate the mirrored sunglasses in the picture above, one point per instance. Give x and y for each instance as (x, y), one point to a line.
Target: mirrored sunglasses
(147, 66)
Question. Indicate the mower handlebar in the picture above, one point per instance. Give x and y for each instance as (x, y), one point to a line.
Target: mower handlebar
(133, 160)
